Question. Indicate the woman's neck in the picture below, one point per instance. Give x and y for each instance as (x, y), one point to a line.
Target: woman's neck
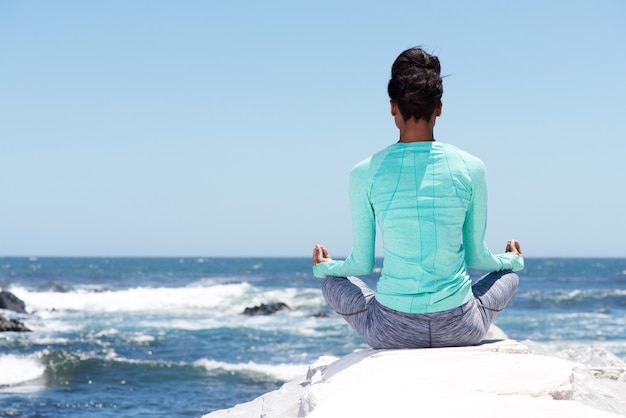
(416, 138)
(417, 131)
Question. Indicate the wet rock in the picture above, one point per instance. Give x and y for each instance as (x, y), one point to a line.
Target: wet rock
(12, 325)
(53, 287)
(264, 309)
(11, 302)
(321, 314)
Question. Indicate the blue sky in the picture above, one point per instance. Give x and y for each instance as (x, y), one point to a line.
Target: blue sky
(206, 128)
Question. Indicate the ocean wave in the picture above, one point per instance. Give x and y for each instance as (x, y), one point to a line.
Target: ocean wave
(223, 299)
(47, 340)
(283, 372)
(284, 323)
(594, 299)
(585, 351)
(142, 339)
(60, 366)
(17, 369)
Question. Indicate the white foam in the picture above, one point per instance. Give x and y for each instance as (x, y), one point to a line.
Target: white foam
(51, 322)
(141, 338)
(217, 300)
(280, 322)
(280, 371)
(190, 324)
(556, 347)
(16, 369)
(107, 332)
(48, 340)
(138, 299)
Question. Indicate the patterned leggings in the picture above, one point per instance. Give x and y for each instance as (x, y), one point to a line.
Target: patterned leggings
(382, 327)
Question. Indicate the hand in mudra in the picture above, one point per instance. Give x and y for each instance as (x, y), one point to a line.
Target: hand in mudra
(320, 254)
(513, 247)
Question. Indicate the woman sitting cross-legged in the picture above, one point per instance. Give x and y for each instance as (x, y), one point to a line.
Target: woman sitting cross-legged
(430, 202)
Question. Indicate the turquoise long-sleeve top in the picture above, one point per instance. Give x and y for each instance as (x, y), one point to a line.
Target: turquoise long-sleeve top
(430, 202)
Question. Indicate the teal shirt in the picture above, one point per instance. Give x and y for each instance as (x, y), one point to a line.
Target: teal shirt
(430, 202)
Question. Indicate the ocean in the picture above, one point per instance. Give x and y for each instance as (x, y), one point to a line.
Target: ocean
(167, 337)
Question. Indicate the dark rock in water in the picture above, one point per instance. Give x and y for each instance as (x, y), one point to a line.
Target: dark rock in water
(264, 309)
(12, 325)
(53, 287)
(321, 314)
(11, 302)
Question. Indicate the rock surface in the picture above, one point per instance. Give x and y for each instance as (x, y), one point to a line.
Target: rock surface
(264, 309)
(12, 325)
(11, 302)
(499, 378)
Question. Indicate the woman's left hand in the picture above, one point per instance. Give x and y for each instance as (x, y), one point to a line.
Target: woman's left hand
(513, 247)
(320, 254)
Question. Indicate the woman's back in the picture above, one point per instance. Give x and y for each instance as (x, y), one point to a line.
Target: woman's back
(420, 193)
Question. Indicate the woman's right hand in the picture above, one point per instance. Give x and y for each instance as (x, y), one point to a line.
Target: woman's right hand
(320, 254)
(513, 247)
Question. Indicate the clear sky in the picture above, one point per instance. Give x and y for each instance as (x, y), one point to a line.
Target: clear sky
(228, 128)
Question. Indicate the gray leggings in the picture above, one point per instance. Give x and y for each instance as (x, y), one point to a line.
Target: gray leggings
(382, 327)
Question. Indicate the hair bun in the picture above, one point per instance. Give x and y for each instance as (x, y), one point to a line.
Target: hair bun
(413, 60)
(416, 83)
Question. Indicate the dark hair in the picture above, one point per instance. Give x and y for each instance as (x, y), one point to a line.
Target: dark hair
(416, 84)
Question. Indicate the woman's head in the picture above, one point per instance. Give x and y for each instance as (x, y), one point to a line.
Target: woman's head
(415, 84)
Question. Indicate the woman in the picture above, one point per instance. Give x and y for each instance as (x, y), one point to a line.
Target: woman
(430, 202)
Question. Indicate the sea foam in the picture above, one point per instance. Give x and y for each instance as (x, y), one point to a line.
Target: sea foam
(15, 369)
(226, 299)
(279, 371)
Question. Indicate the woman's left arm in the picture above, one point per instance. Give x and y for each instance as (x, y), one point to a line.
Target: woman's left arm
(477, 255)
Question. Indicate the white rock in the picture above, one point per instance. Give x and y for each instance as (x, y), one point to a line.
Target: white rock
(495, 379)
